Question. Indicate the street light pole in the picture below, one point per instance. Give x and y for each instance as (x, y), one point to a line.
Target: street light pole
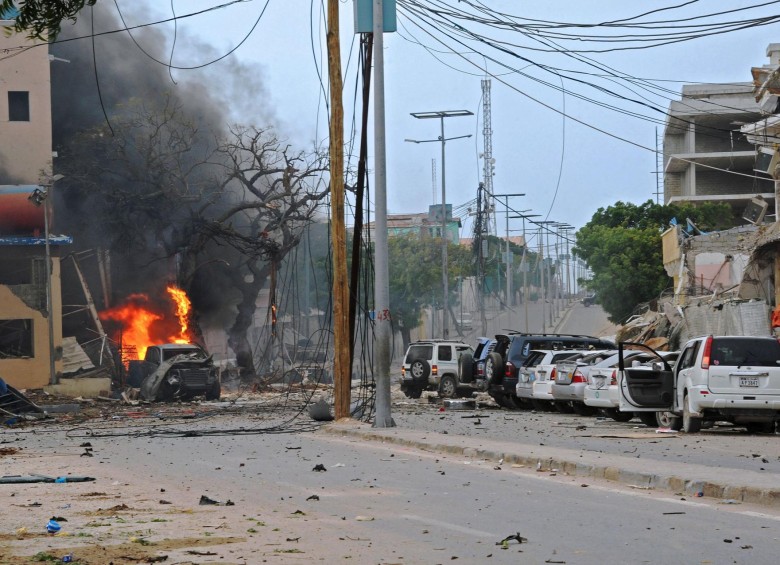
(444, 273)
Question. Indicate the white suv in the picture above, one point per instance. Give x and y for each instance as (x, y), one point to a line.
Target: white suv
(732, 378)
(432, 365)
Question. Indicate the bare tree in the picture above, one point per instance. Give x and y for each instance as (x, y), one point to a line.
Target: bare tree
(275, 192)
(168, 201)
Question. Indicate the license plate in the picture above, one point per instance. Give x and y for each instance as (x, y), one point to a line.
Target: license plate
(748, 381)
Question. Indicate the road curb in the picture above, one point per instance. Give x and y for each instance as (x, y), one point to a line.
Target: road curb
(688, 480)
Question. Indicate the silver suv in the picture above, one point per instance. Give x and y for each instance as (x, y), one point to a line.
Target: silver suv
(432, 365)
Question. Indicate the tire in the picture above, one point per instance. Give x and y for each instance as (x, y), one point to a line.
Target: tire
(499, 399)
(494, 365)
(448, 387)
(466, 368)
(690, 425)
(583, 409)
(563, 407)
(541, 405)
(619, 416)
(214, 391)
(512, 402)
(760, 427)
(420, 369)
(648, 419)
(668, 420)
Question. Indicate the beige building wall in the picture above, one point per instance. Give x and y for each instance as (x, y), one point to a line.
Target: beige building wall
(33, 372)
(25, 146)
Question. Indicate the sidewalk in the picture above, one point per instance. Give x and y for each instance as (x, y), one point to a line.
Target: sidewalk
(728, 484)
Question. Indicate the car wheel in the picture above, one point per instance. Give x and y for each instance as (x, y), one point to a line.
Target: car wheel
(466, 367)
(448, 388)
(690, 424)
(760, 427)
(541, 405)
(583, 409)
(512, 402)
(668, 420)
(420, 369)
(563, 407)
(619, 416)
(648, 419)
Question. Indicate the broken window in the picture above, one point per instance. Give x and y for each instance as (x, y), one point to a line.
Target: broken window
(18, 106)
(16, 271)
(16, 339)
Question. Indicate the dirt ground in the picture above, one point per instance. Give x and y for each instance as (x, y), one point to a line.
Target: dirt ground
(121, 518)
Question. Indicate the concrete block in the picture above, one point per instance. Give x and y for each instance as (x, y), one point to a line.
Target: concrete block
(84, 387)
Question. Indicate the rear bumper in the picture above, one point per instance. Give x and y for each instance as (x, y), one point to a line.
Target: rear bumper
(542, 390)
(602, 397)
(524, 390)
(575, 391)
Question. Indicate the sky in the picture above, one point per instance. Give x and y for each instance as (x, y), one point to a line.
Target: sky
(565, 168)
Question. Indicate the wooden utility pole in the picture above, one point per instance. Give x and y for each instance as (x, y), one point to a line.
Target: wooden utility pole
(341, 366)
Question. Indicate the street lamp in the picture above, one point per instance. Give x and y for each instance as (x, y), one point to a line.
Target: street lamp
(41, 197)
(441, 115)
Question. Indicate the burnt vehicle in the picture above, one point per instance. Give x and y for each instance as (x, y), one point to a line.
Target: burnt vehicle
(177, 371)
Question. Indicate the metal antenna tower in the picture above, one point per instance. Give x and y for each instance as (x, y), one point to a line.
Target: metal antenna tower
(487, 155)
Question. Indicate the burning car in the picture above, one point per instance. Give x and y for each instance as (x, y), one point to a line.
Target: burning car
(174, 371)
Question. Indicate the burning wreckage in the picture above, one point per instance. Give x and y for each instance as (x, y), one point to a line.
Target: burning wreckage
(175, 371)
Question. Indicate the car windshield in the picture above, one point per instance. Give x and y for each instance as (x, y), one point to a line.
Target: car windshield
(419, 352)
(737, 352)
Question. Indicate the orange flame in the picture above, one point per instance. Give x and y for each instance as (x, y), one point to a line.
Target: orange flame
(183, 306)
(141, 326)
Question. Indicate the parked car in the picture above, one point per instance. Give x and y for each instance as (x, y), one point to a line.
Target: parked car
(601, 390)
(471, 367)
(503, 364)
(432, 365)
(538, 366)
(589, 300)
(732, 378)
(543, 387)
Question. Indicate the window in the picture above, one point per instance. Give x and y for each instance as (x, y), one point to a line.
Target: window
(445, 353)
(16, 339)
(18, 106)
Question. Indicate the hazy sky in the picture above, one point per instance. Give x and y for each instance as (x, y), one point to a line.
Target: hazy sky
(536, 149)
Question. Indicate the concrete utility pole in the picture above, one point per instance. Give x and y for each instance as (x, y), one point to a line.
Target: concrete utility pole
(523, 264)
(383, 320)
(544, 238)
(342, 379)
(508, 266)
(444, 240)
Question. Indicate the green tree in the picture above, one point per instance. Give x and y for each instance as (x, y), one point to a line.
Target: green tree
(416, 279)
(42, 19)
(622, 246)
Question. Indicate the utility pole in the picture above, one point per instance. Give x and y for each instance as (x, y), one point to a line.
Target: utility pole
(444, 240)
(508, 266)
(383, 323)
(523, 265)
(341, 369)
(541, 258)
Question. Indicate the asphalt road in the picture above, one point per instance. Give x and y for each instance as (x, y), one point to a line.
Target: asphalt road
(375, 503)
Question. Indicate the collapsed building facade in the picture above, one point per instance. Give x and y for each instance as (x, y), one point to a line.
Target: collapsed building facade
(725, 282)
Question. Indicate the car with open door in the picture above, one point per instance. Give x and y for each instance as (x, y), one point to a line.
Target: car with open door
(731, 378)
